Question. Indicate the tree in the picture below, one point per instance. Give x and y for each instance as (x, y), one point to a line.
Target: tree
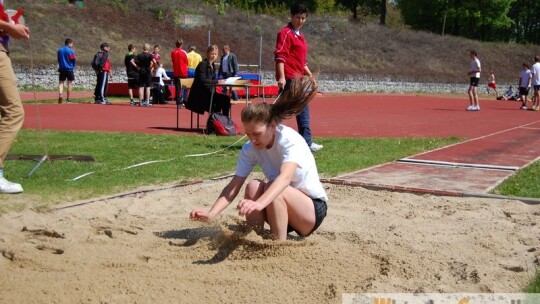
(383, 13)
(477, 19)
(526, 24)
(367, 6)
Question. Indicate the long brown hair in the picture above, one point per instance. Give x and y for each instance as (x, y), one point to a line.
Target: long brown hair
(288, 104)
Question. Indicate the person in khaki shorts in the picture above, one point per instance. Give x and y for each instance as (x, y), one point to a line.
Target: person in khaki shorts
(11, 108)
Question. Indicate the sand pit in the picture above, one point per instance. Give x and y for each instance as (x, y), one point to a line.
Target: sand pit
(142, 248)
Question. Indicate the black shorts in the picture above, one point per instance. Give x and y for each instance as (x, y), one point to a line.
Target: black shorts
(320, 214)
(536, 88)
(523, 91)
(69, 75)
(474, 81)
(145, 79)
(133, 83)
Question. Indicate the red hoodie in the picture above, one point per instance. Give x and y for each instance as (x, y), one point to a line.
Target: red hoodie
(291, 49)
(180, 63)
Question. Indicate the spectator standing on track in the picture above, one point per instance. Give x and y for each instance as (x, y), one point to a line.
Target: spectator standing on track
(524, 84)
(145, 64)
(228, 67)
(132, 73)
(291, 198)
(194, 59)
(492, 84)
(102, 67)
(180, 70)
(474, 79)
(66, 64)
(290, 56)
(536, 83)
(11, 108)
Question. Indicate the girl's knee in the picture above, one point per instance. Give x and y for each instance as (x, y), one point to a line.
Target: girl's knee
(254, 189)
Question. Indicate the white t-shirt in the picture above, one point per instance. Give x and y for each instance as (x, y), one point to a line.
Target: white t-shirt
(536, 74)
(162, 74)
(525, 76)
(475, 66)
(288, 146)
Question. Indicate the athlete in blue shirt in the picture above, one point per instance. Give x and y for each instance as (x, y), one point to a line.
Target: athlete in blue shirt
(66, 64)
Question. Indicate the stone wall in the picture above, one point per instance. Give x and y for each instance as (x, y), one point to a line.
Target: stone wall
(46, 78)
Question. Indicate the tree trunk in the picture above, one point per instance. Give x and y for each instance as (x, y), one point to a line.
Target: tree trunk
(383, 12)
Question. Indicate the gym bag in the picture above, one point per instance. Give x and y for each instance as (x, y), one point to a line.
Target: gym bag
(222, 125)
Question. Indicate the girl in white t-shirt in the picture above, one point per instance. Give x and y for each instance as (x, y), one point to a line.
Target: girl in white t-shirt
(161, 73)
(293, 198)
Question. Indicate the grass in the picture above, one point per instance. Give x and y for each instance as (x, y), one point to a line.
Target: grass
(534, 285)
(50, 184)
(523, 184)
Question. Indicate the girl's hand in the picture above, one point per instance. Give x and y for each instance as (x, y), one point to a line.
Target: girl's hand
(245, 207)
(201, 215)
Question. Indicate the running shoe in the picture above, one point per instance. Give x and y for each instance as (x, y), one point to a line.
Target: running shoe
(523, 107)
(9, 187)
(60, 99)
(476, 108)
(536, 108)
(470, 108)
(315, 147)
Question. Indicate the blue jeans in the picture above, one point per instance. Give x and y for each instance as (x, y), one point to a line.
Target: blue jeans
(302, 119)
(180, 94)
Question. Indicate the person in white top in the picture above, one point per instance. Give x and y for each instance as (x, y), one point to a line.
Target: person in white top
(474, 78)
(536, 83)
(524, 85)
(161, 73)
(160, 91)
(292, 198)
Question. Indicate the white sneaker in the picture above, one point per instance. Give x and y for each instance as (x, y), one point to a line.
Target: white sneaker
(476, 108)
(470, 108)
(315, 147)
(9, 187)
(524, 107)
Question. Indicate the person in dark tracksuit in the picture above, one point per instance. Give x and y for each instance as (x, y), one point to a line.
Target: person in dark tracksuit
(103, 73)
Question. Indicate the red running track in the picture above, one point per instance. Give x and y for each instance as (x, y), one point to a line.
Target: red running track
(364, 115)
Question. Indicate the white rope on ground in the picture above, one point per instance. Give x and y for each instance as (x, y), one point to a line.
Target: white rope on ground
(158, 161)
(215, 152)
(147, 163)
(81, 176)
